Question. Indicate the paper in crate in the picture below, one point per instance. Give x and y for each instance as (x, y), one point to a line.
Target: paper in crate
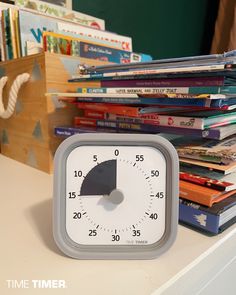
(28, 136)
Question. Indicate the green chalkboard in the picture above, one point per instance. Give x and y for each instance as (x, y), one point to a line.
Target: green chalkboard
(162, 28)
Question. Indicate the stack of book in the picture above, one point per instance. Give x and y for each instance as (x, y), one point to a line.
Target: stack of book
(192, 102)
(31, 26)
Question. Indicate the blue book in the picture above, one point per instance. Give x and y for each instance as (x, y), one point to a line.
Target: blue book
(67, 131)
(213, 219)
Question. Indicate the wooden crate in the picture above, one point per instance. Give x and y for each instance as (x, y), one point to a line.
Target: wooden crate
(28, 136)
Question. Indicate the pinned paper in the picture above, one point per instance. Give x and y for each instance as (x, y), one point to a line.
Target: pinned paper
(37, 133)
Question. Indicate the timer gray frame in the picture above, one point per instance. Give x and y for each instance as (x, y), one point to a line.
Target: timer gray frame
(72, 249)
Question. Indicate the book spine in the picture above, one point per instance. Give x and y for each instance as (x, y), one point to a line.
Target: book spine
(65, 131)
(192, 215)
(150, 101)
(158, 120)
(135, 73)
(195, 92)
(7, 33)
(166, 82)
(204, 181)
(13, 32)
(114, 109)
(2, 37)
(145, 127)
(138, 90)
(93, 51)
(17, 31)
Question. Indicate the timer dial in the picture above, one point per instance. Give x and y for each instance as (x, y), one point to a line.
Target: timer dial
(119, 195)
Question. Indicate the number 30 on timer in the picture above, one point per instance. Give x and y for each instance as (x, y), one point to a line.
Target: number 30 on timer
(115, 196)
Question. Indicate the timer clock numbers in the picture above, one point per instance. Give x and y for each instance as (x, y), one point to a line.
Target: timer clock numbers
(115, 196)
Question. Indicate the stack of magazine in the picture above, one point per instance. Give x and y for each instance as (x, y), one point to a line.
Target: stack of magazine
(192, 102)
(30, 27)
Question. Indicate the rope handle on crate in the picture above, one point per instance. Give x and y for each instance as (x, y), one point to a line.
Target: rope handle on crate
(18, 82)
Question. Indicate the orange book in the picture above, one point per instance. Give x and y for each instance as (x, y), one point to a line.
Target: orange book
(202, 195)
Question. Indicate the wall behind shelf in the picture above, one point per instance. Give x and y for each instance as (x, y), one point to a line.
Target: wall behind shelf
(161, 28)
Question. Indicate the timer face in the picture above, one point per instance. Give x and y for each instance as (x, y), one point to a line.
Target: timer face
(115, 195)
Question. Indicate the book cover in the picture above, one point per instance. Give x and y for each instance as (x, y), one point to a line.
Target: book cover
(213, 219)
(208, 173)
(61, 13)
(222, 152)
(202, 195)
(90, 50)
(225, 169)
(32, 27)
(57, 44)
(120, 42)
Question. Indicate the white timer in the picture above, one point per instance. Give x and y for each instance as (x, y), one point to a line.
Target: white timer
(115, 196)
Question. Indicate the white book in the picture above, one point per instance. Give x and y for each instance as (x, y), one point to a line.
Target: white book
(119, 41)
(56, 11)
(32, 27)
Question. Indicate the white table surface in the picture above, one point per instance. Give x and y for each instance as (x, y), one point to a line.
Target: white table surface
(28, 250)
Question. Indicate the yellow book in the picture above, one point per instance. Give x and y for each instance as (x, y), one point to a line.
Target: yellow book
(13, 33)
(17, 33)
